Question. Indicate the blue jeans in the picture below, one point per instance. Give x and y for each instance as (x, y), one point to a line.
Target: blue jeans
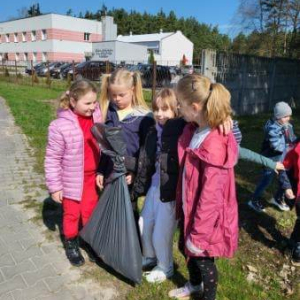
(265, 181)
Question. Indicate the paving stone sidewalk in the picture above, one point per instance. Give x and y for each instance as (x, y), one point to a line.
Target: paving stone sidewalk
(31, 266)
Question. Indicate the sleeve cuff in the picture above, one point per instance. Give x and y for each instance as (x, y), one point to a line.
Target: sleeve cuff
(192, 248)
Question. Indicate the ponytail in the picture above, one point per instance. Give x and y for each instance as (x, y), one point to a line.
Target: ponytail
(64, 100)
(217, 107)
(139, 99)
(104, 97)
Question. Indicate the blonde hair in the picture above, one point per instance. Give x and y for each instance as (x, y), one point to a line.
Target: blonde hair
(167, 99)
(122, 77)
(214, 97)
(78, 89)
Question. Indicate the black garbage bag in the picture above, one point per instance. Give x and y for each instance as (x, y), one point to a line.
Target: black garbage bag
(111, 230)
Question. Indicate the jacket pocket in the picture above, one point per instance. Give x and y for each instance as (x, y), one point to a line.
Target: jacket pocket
(217, 233)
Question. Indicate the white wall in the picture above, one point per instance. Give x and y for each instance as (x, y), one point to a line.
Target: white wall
(28, 24)
(37, 46)
(71, 47)
(174, 47)
(118, 51)
(76, 24)
(47, 46)
(104, 51)
(109, 29)
(131, 53)
(51, 21)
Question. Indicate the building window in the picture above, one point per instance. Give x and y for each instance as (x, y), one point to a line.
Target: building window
(155, 51)
(7, 38)
(34, 55)
(33, 35)
(44, 34)
(15, 37)
(86, 36)
(44, 56)
(23, 36)
(17, 57)
(26, 56)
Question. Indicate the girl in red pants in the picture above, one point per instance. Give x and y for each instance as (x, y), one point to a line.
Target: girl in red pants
(72, 157)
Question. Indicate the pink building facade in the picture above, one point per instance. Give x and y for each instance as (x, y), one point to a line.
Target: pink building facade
(53, 37)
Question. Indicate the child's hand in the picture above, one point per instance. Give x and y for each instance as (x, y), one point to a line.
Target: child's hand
(289, 194)
(129, 178)
(100, 181)
(226, 126)
(279, 167)
(57, 196)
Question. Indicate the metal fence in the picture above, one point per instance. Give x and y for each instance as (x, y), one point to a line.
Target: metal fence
(153, 76)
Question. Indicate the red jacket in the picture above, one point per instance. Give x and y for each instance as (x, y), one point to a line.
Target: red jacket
(292, 162)
(211, 212)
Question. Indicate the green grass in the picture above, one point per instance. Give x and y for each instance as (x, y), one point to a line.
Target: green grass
(32, 112)
(262, 237)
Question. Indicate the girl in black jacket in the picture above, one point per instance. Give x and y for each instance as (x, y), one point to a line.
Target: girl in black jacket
(157, 179)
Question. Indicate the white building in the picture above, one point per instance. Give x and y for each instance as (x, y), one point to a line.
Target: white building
(53, 37)
(168, 47)
(120, 52)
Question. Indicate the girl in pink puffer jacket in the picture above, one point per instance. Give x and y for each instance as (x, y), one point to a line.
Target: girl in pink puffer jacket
(72, 157)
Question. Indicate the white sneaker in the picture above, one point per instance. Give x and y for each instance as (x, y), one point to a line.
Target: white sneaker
(158, 275)
(185, 292)
(149, 262)
(280, 204)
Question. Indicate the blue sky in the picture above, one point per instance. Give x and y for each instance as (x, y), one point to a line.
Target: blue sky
(215, 12)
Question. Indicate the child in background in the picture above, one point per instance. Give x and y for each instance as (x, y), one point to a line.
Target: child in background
(279, 136)
(122, 104)
(206, 198)
(71, 161)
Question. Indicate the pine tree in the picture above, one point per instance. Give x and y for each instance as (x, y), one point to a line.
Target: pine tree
(151, 58)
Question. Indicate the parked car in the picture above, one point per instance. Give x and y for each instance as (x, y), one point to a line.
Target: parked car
(92, 70)
(197, 69)
(68, 70)
(188, 69)
(28, 70)
(42, 71)
(163, 74)
(57, 71)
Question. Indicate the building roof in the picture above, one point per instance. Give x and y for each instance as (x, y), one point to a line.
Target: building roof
(153, 37)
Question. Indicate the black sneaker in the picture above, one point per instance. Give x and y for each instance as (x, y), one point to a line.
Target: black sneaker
(73, 252)
(256, 205)
(296, 255)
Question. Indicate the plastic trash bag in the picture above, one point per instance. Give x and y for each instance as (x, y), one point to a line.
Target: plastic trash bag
(111, 230)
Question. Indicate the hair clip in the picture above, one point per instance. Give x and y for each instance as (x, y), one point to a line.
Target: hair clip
(209, 91)
(194, 89)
